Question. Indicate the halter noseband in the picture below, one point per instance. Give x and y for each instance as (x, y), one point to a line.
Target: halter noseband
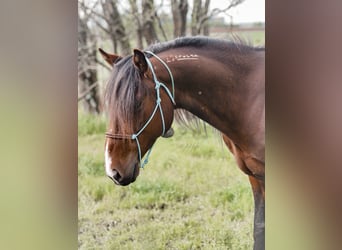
(158, 84)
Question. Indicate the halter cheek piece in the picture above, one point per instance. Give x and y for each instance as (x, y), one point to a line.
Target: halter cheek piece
(158, 84)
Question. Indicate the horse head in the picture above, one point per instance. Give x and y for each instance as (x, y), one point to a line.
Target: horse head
(140, 110)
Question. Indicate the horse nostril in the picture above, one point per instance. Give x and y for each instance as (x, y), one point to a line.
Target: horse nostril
(116, 175)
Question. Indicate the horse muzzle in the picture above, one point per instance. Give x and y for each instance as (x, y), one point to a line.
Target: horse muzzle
(123, 180)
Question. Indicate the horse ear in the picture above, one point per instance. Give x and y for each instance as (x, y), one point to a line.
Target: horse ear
(109, 58)
(139, 60)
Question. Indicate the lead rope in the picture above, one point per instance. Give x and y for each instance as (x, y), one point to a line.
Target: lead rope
(158, 84)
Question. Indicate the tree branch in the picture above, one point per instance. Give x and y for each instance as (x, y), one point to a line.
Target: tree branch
(160, 26)
(95, 13)
(217, 11)
(84, 94)
(103, 65)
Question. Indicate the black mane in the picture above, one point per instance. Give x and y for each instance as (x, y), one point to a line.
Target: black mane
(203, 41)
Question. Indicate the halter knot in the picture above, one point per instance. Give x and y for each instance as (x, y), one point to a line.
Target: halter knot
(134, 136)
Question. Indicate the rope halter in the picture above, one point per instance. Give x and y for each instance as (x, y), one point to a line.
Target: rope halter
(157, 87)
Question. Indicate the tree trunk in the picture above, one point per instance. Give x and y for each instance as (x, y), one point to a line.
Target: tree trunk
(87, 68)
(195, 17)
(135, 13)
(149, 30)
(200, 18)
(205, 26)
(115, 25)
(176, 18)
(183, 13)
(179, 12)
(160, 25)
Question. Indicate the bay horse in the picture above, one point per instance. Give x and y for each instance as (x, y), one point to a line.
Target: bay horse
(221, 82)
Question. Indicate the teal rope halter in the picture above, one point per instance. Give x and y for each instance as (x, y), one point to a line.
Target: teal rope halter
(158, 84)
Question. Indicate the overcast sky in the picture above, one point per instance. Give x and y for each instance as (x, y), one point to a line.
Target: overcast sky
(248, 11)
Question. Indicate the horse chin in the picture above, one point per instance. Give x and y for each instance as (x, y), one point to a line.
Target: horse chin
(131, 178)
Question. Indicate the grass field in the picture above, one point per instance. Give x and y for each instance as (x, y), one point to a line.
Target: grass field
(191, 195)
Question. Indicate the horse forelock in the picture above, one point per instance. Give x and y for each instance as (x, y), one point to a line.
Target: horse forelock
(121, 96)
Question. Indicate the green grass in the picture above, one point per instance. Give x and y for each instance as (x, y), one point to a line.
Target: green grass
(191, 195)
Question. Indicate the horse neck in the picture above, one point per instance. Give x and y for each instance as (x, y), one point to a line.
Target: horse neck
(216, 90)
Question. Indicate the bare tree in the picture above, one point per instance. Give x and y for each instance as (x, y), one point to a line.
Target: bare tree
(160, 25)
(148, 16)
(108, 18)
(195, 17)
(204, 12)
(200, 15)
(179, 11)
(138, 23)
(87, 72)
(117, 31)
